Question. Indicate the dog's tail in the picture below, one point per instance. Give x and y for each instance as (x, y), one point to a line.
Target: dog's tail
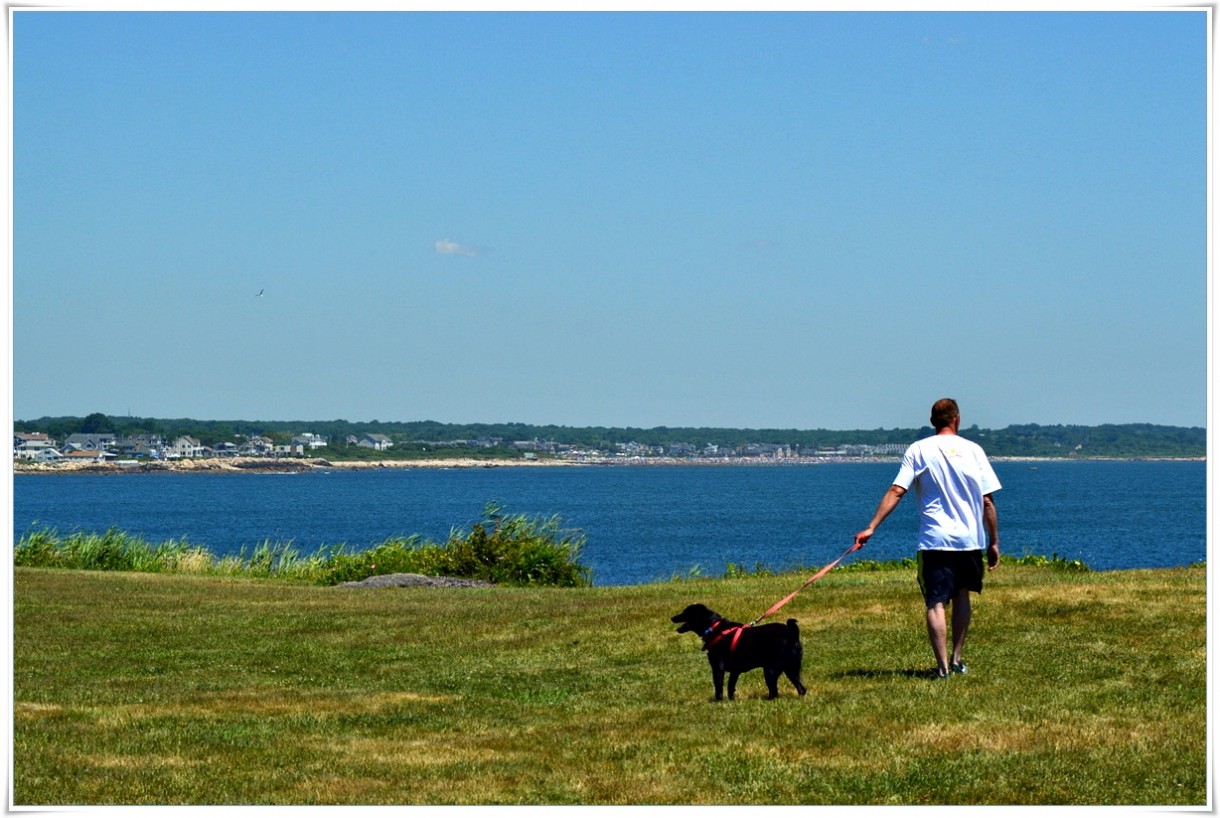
(794, 632)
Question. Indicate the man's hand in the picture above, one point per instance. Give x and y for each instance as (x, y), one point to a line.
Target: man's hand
(991, 521)
(889, 501)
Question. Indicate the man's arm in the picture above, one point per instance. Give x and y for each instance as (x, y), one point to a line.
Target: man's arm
(889, 502)
(991, 522)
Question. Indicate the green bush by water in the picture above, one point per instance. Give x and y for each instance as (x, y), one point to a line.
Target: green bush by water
(501, 548)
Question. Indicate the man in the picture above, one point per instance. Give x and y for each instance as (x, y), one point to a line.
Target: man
(954, 483)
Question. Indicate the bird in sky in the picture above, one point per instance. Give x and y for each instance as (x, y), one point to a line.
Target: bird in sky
(260, 294)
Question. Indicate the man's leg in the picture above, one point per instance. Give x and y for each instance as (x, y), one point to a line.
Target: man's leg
(938, 636)
(961, 623)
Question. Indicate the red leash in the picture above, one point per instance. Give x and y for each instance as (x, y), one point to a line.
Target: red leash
(808, 582)
(737, 630)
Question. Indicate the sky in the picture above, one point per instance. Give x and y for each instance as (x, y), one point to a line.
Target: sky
(812, 219)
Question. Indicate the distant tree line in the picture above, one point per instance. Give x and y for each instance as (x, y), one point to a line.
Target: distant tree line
(1131, 440)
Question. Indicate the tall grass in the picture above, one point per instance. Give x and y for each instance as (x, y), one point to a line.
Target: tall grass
(504, 549)
(112, 550)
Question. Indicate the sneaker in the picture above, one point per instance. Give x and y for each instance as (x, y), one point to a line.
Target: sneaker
(957, 667)
(938, 674)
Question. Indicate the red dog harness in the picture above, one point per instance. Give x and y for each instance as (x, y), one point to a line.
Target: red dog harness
(714, 634)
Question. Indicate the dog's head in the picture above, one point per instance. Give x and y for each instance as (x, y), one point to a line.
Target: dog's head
(697, 618)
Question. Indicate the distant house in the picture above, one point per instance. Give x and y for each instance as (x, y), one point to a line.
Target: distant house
(30, 439)
(375, 441)
(139, 446)
(185, 447)
(90, 442)
(309, 440)
(292, 448)
(28, 445)
(258, 446)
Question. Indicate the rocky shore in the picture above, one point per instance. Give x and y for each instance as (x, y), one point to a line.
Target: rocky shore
(265, 464)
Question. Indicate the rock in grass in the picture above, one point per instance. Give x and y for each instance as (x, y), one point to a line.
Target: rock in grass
(414, 580)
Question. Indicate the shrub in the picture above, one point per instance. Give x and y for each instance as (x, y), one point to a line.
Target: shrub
(515, 550)
(394, 556)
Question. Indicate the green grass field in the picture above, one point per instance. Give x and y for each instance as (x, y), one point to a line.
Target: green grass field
(1084, 688)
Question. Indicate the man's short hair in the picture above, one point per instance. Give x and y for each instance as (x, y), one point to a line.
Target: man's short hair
(943, 413)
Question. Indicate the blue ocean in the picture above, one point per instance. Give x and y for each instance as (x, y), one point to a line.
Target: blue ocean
(642, 523)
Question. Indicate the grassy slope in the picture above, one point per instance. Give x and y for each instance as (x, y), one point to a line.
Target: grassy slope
(1084, 689)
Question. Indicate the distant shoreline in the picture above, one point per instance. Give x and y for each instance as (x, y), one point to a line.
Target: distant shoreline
(254, 465)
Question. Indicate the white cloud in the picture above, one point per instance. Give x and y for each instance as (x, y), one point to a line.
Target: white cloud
(448, 247)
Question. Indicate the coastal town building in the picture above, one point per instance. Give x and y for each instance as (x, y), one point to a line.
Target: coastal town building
(36, 447)
(28, 445)
(94, 441)
(187, 447)
(257, 446)
(138, 446)
(309, 440)
(374, 441)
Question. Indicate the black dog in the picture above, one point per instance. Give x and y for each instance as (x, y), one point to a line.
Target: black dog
(736, 648)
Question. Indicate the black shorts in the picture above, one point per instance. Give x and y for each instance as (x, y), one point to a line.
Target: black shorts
(943, 574)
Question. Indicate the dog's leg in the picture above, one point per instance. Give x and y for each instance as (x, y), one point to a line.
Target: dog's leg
(732, 684)
(771, 675)
(718, 682)
(794, 676)
(794, 666)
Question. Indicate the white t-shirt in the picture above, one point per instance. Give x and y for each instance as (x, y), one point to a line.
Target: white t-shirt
(951, 475)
